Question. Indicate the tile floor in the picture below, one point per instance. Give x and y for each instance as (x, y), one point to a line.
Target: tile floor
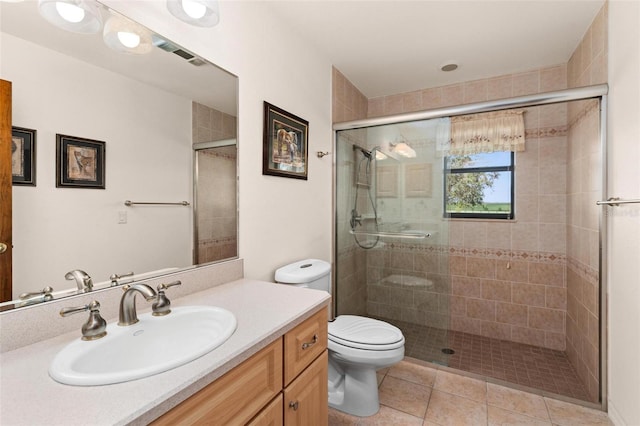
(412, 393)
(524, 365)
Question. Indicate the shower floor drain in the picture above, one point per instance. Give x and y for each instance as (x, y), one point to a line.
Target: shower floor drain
(448, 351)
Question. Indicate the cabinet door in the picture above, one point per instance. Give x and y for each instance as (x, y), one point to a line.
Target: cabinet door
(236, 397)
(306, 399)
(271, 415)
(303, 344)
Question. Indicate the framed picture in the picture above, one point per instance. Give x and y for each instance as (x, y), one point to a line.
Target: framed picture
(80, 162)
(285, 144)
(23, 156)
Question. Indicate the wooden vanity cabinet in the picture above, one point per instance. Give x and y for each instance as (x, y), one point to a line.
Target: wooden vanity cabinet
(306, 395)
(283, 384)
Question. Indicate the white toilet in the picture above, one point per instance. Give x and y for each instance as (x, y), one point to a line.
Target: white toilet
(358, 346)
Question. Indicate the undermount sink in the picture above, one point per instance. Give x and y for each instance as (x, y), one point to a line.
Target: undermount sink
(151, 346)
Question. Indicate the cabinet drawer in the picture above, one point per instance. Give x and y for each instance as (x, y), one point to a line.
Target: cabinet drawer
(305, 399)
(271, 415)
(303, 344)
(237, 396)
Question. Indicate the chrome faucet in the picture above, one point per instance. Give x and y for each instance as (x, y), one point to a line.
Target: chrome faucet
(83, 280)
(128, 315)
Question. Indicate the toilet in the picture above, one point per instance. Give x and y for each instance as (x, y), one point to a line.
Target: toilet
(358, 346)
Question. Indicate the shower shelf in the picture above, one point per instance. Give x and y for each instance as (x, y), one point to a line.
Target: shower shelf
(409, 235)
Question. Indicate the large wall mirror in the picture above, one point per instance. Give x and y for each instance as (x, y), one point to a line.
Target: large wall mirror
(153, 112)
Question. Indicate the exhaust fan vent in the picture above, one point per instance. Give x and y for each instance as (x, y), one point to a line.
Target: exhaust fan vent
(183, 54)
(172, 48)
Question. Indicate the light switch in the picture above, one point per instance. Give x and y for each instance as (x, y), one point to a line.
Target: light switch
(122, 217)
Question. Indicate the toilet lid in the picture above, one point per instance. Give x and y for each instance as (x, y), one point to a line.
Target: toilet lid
(365, 333)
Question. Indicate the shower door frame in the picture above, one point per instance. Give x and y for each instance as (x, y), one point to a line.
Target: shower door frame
(598, 92)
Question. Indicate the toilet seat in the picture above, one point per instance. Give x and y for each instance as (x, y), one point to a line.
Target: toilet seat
(365, 333)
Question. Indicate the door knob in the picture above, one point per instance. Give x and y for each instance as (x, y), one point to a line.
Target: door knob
(3, 248)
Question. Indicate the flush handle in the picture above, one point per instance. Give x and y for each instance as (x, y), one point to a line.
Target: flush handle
(294, 405)
(307, 345)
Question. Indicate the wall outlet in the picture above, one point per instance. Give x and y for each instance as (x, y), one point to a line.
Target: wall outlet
(122, 217)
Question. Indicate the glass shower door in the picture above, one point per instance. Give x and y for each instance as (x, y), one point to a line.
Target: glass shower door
(392, 237)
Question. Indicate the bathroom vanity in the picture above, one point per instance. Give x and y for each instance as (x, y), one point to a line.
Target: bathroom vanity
(272, 370)
(284, 383)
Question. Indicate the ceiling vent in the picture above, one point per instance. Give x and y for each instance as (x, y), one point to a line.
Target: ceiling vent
(167, 46)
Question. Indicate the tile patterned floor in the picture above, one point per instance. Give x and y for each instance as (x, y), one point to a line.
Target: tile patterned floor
(412, 393)
(524, 365)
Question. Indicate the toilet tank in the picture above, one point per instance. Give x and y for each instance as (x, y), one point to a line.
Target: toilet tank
(311, 273)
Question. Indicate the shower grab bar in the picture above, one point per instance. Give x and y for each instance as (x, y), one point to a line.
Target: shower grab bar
(129, 203)
(415, 236)
(615, 202)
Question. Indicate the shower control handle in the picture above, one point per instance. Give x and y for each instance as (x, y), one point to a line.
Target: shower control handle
(307, 345)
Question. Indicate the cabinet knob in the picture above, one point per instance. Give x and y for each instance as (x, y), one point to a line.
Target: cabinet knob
(3, 248)
(294, 405)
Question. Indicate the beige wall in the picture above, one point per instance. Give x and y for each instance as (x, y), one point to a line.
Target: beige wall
(250, 43)
(623, 276)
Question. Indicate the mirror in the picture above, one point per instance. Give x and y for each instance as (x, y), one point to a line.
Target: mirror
(150, 111)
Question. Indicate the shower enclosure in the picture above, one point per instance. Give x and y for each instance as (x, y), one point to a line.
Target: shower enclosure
(489, 261)
(392, 239)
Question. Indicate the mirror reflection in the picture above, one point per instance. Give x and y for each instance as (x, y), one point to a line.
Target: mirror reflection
(153, 112)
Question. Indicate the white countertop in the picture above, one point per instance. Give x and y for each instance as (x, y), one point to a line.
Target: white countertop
(265, 311)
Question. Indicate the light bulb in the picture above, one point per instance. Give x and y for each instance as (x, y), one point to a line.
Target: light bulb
(70, 12)
(194, 9)
(128, 39)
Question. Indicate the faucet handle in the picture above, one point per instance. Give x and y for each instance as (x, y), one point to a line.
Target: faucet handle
(95, 327)
(115, 277)
(45, 294)
(163, 305)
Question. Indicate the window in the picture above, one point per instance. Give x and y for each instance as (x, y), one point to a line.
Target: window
(479, 186)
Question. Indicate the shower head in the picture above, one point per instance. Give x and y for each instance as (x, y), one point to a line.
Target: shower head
(364, 152)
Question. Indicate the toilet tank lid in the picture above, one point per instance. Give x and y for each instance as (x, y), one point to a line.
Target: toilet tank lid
(303, 271)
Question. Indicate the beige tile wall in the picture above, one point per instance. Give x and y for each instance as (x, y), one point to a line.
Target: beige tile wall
(587, 66)
(487, 298)
(348, 104)
(209, 124)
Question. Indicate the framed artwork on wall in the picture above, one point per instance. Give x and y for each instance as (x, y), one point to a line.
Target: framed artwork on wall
(285, 144)
(23, 156)
(80, 163)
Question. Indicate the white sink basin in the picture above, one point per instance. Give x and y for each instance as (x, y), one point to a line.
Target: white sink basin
(151, 346)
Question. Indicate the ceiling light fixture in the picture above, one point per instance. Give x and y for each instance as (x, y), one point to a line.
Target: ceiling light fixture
(402, 148)
(201, 13)
(125, 36)
(79, 16)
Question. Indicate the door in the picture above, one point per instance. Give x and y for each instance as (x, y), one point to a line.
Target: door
(5, 191)
(215, 200)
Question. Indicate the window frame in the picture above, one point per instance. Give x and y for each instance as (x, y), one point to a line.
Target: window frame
(479, 215)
